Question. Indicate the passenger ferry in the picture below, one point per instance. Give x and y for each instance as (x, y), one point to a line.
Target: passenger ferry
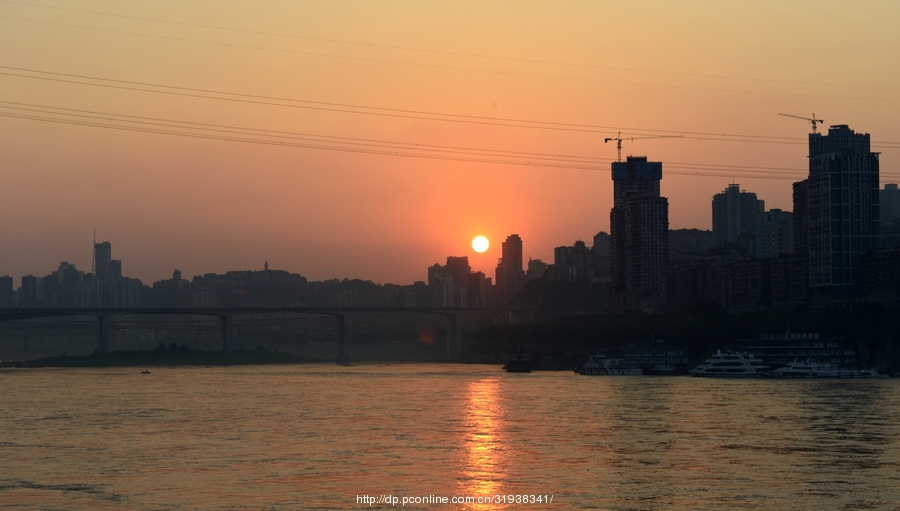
(731, 365)
(807, 369)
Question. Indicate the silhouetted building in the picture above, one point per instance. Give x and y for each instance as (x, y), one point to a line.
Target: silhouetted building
(774, 234)
(801, 217)
(457, 270)
(639, 243)
(687, 245)
(536, 269)
(102, 258)
(889, 198)
(790, 281)
(572, 264)
(880, 275)
(600, 258)
(734, 213)
(204, 298)
(843, 206)
(687, 284)
(28, 292)
(509, 275)
(7, 296)
(476, 289)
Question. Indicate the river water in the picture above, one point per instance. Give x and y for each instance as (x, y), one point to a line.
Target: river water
(324, 436)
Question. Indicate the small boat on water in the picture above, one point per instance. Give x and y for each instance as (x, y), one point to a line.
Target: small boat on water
(797, 369)
(732, 365)
(145, 371)
(598, 365)
(518, 361)
(861, 373)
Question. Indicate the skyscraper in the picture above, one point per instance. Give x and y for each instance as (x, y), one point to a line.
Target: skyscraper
(7, 295)
(639, 243)
(734, 213)
(843, 206)
(889, 198)
(102, 256)
(801, 217)
(509, 274)
(774, 234)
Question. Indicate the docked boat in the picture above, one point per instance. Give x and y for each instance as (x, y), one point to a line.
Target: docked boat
(518, 361)
(598, 365)
(732, 365)
(861, 373)
(808, 369)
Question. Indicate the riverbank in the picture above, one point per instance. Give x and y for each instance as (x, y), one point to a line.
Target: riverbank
(167, 356)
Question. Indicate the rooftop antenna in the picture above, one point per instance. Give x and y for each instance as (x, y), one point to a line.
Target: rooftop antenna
(813, 120)
(618, 138)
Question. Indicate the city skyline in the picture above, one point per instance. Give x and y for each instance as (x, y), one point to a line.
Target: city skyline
(699, 72)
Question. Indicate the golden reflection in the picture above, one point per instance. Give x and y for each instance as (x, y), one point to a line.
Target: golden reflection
(484, 441)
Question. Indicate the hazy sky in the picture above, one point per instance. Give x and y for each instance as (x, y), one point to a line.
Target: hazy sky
(193, 95)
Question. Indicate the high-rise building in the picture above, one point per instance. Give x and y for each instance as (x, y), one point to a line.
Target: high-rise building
(509, 273)
(28, 292)
(734, 213)
(889, 198)
(454, 274)
(102, 257)
(843, 205)
(801, 217)
(572, 264)
(774, 234)
(7, 297)
(512, 252)
(639, 242)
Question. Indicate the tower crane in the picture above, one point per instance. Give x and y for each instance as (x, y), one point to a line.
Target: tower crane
(618, 138)
(813, 120)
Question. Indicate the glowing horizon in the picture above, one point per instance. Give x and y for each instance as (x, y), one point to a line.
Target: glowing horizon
(371, 141)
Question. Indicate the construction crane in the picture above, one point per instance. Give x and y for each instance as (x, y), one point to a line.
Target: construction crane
(813, 120)
(618, 138)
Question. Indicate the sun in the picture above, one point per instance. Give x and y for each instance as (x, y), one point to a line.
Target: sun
(480, 244)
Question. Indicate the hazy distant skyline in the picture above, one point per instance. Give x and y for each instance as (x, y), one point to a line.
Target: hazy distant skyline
(203, 205)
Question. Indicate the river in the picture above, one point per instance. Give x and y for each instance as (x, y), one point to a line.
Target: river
(322, 436)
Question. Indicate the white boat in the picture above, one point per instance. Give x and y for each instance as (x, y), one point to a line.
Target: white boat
(598, 365)
(731, 365)
(797, 369)
(861, 373)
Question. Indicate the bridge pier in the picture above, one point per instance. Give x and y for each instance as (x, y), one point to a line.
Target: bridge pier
(104, 333)
(227, 323)
(340, 329)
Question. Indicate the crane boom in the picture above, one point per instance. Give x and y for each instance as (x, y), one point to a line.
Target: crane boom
(813, 120)
(618, 138)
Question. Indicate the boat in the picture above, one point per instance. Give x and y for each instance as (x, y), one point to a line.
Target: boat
(861, 373)
(808, 369)
(518, 361)
(655, 357)
(732, 365)
(145, 371)
(598, 365)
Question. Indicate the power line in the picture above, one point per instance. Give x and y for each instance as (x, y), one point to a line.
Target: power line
(202, 131)
(382, 111)
(453, 68)
(439, 52)
(332, 138)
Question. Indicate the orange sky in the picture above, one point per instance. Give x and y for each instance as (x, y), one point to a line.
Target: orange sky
(203, 205)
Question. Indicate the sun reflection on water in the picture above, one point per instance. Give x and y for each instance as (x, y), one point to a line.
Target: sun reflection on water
(484, 473)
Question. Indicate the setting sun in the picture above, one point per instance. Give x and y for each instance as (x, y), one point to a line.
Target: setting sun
(480, 244)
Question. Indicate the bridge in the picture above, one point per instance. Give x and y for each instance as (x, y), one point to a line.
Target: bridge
(226, 317)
